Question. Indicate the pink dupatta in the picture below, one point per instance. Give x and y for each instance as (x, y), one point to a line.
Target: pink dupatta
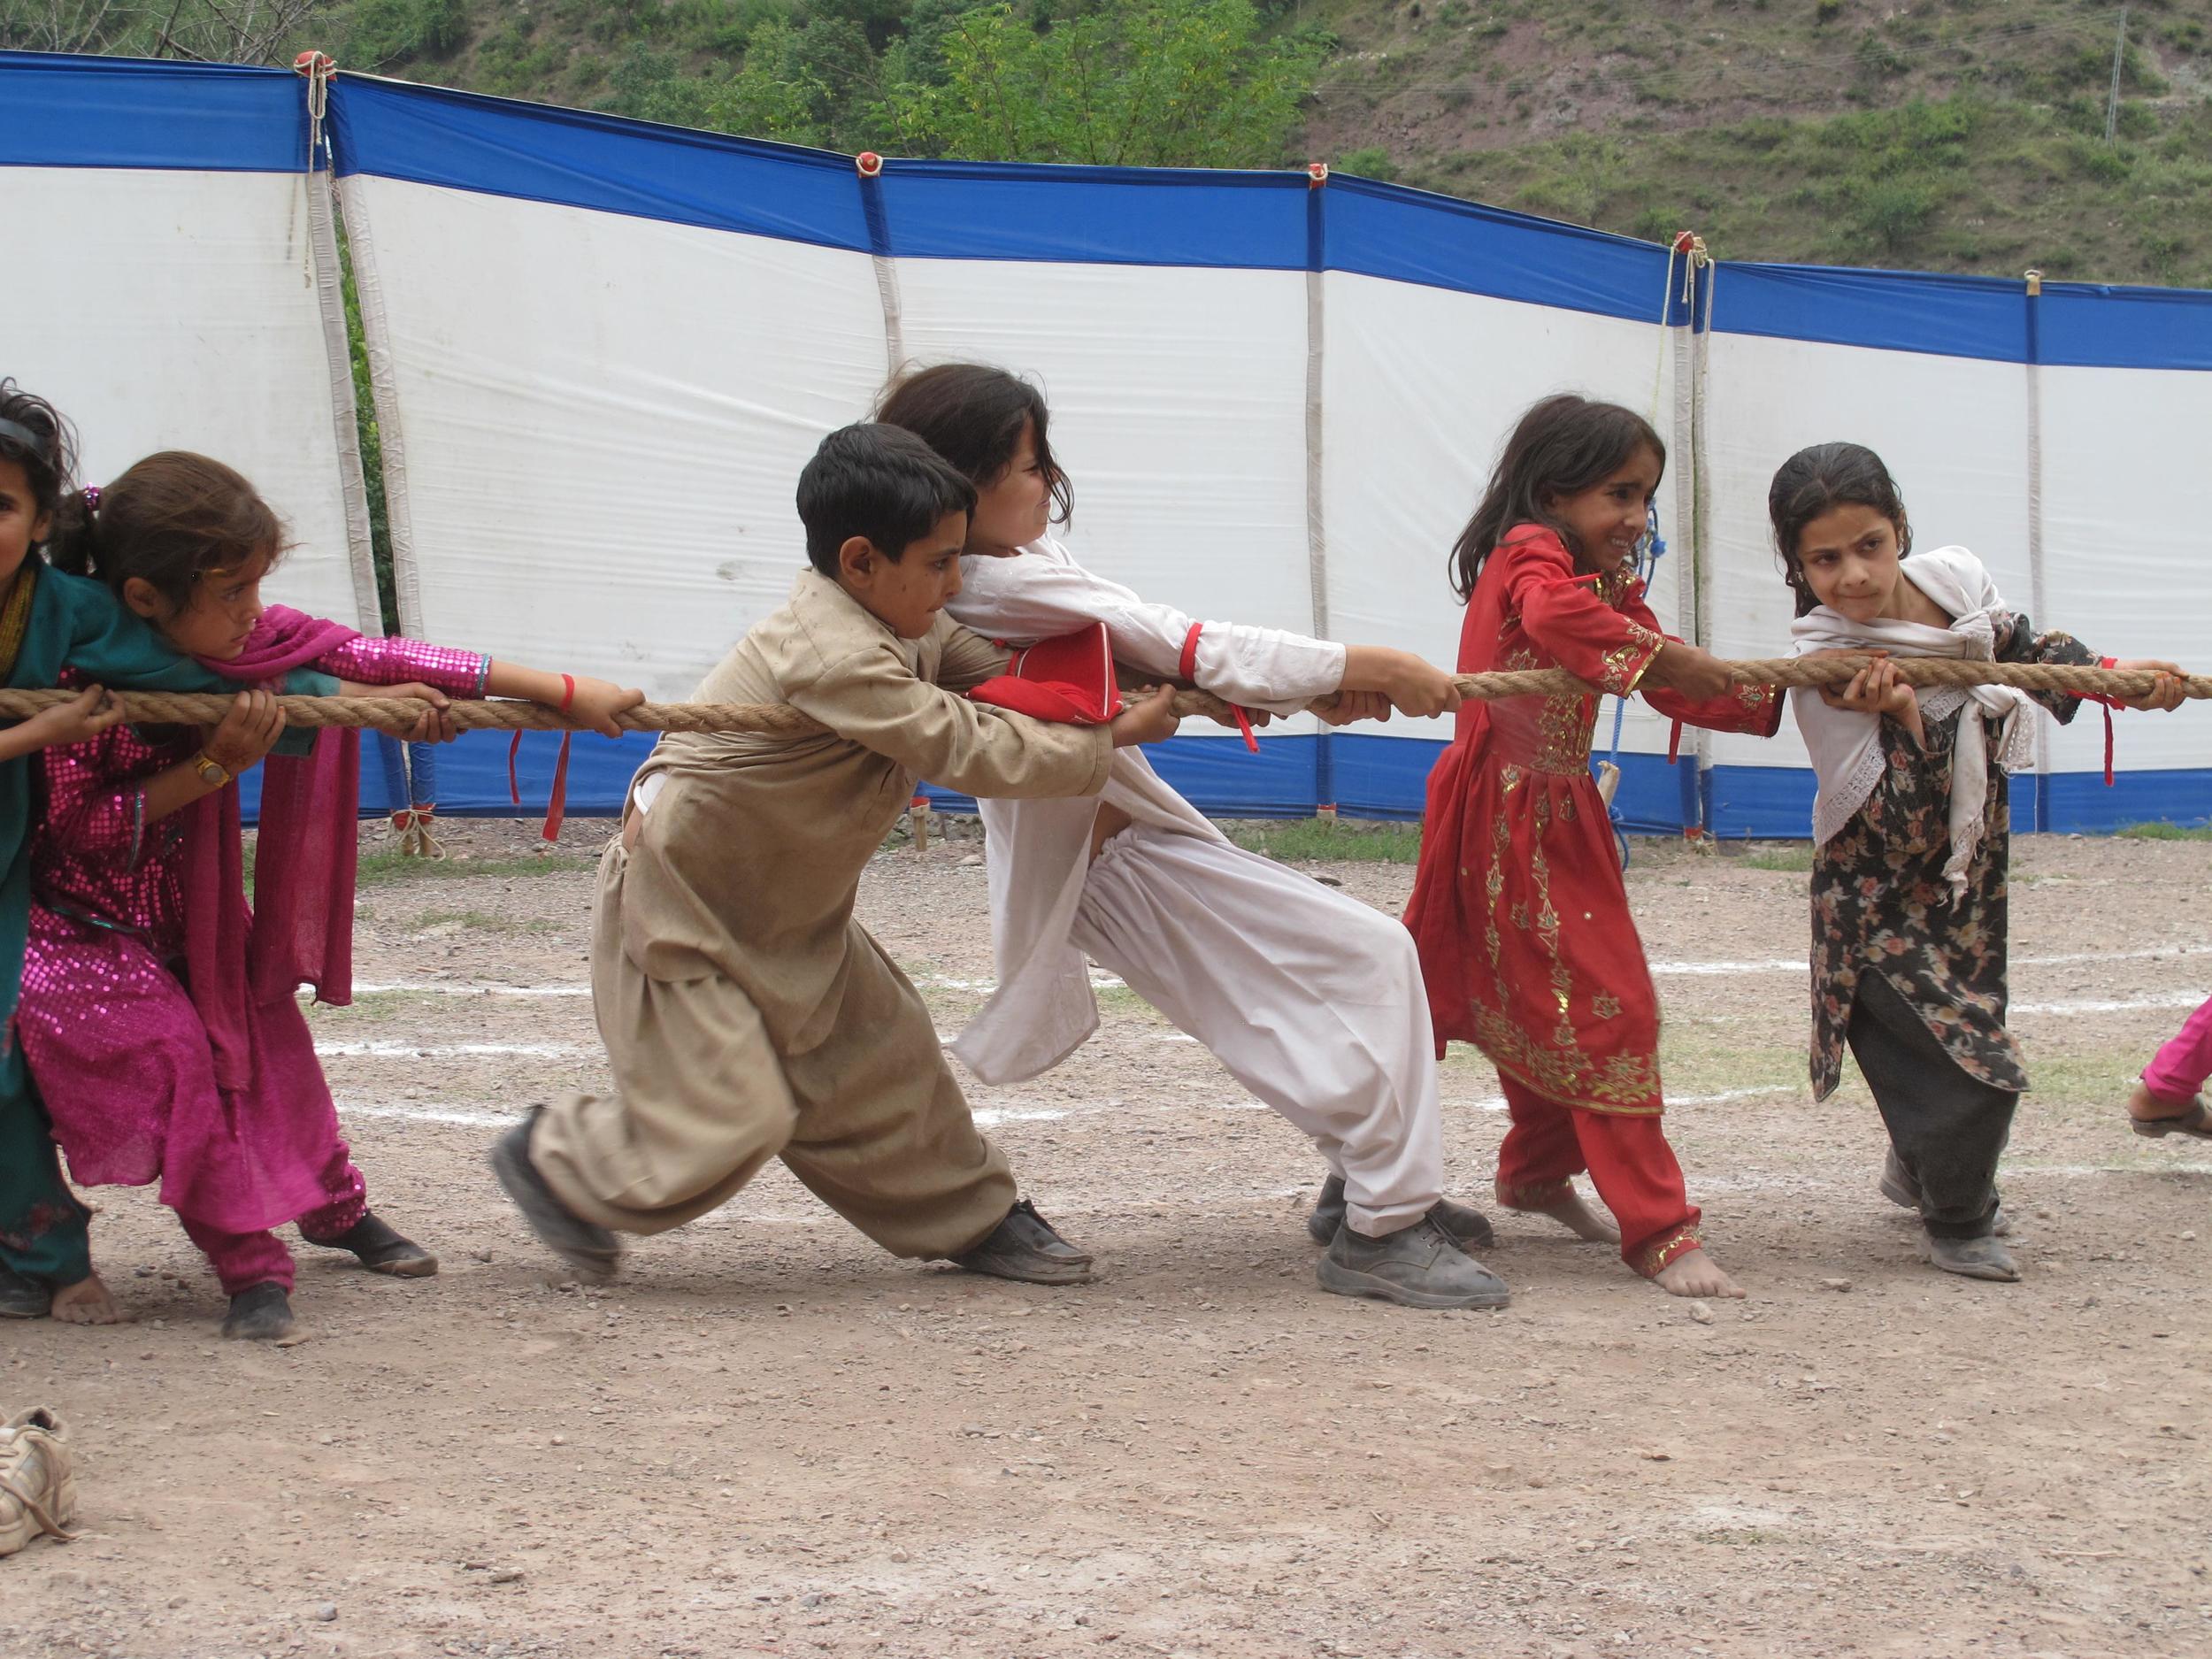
(299, 930)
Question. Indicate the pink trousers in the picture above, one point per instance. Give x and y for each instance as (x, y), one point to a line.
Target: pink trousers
(2179, 1068)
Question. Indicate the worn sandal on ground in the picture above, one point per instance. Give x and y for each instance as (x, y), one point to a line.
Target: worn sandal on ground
(22, 1298)
(1984, 1257)
(259, 1313)
(2196, 1121)
(1024, 1247)
(380, 1247)
(38, 1489)
(1463, 1225)
(588, 1248)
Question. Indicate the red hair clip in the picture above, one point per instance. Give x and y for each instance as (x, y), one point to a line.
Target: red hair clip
(91, 493)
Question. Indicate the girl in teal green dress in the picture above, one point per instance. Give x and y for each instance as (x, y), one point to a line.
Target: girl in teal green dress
(50, 620)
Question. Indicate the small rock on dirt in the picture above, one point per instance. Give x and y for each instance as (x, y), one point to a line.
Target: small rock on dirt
(1699, 1312)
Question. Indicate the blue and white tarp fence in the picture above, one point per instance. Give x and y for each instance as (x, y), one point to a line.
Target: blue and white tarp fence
(600, 351)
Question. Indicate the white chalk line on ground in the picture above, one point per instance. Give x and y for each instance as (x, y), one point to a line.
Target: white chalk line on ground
(1104, 982)
(385, 1050)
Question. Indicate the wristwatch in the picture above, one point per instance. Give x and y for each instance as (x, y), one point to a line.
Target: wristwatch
(212, 773)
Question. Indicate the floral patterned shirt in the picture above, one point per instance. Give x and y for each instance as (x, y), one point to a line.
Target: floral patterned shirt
(1880, 902)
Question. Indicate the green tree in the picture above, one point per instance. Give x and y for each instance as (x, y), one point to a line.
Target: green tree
(1160, 83)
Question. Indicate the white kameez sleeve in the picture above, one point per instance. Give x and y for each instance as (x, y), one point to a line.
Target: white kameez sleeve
(1042, 592)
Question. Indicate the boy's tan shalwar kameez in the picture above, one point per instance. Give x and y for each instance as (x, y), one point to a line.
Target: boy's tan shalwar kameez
(746, 1013)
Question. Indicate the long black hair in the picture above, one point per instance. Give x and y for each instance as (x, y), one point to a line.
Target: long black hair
(1562, 445)
(973, 415)
(1819, 479)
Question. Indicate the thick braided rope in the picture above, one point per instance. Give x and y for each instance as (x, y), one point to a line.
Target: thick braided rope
(394, 714)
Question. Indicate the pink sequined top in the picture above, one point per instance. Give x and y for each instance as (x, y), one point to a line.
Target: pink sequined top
(95, 858)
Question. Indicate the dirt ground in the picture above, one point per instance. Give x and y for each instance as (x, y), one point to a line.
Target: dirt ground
(769, 1438)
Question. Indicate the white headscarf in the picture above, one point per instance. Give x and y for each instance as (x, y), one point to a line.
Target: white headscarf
(1845, 746)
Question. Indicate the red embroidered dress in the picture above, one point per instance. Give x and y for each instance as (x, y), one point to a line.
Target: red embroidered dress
(1519, 908)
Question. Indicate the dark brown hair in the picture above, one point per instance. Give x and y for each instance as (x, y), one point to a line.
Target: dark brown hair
(973, 415)
(1562, 445)
(1819, 479)
(168, 520)
(50, 460)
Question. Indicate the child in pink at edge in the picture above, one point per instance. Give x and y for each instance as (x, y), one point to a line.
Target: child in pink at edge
(159, 1014)
(2168, 1098)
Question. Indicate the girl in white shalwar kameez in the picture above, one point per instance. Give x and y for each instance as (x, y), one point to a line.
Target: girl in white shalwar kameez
(1312, 999)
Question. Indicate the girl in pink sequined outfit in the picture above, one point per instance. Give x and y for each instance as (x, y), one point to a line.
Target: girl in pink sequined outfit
(158, 1012)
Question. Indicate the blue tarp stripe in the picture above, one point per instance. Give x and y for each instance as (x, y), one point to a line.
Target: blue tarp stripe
(1372, 777)
(62, 111)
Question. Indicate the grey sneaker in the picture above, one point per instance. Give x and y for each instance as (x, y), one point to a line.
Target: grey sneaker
(1024, 1247)
(584, 1245)
(1465, 1226)
(1984, 1257)
(1415, 1267)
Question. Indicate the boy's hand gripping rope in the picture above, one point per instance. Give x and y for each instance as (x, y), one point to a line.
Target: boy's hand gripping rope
(771, 719)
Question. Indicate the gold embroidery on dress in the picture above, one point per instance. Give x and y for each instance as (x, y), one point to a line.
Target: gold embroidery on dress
(1605, 1005)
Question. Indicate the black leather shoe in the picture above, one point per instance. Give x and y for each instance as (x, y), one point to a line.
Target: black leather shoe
(1024, 1247)
(22, 1298)
(380, 1248)
(584, 1245)
(1468, 1228)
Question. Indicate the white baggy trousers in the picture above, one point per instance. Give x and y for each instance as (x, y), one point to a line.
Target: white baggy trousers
(1313, 1001)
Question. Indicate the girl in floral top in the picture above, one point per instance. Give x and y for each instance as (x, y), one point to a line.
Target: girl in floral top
(1911, 825)
(158, 1012)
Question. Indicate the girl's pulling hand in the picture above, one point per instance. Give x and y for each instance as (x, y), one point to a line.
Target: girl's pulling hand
(1690, 670)
(1346, 707)
(1875, 689)
(88, 713)
(2167, 694)
(1151, 719)
(596, 702)
(1419, 687)
(433, 725)
(248, 732)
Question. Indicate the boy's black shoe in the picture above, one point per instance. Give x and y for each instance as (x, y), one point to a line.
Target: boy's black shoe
(584, 1245)
(1024, 1247)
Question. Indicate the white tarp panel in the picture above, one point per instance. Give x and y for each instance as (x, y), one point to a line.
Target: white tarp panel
(178, 310)
(599, 420)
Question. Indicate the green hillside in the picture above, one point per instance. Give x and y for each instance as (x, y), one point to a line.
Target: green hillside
(1950, 134)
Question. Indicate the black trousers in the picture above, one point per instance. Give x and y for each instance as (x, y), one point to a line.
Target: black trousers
(1949, 1128)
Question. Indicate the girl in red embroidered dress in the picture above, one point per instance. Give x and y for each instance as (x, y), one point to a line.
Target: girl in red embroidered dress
(1518, 907)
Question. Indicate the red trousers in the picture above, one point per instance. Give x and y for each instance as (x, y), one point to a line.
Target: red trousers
(1629, 1161)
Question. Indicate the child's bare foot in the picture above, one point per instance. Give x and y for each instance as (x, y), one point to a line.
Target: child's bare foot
(1571, 1212)
(1695, 1274)
(88, 1302)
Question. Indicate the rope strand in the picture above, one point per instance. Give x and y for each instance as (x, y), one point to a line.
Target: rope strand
(400, 714)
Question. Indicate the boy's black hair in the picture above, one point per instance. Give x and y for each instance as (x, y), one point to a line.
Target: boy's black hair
(878, 482)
